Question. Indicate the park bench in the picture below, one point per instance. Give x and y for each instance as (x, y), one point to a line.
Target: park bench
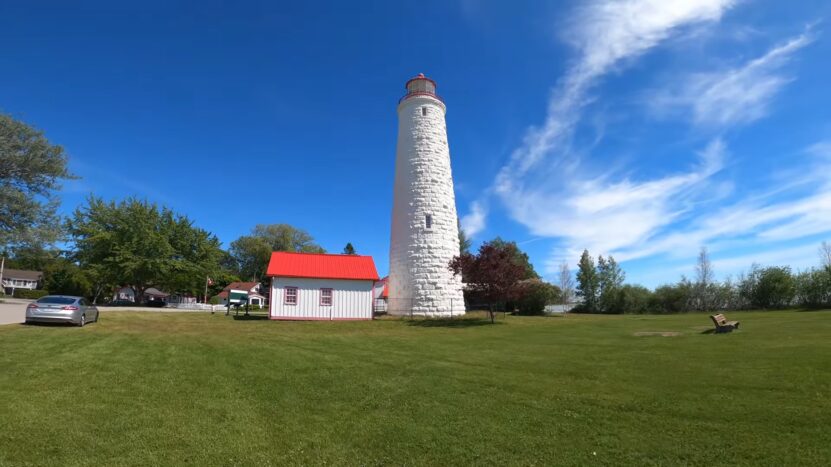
(722, 325)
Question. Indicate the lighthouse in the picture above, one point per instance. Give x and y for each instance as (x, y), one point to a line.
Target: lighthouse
(425, 232)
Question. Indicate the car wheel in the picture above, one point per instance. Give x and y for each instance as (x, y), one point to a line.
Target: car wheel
(82, 321)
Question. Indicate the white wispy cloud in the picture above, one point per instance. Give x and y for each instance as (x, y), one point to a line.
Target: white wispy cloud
(474, 221)
(729, 97)
(599, 211)
(548, 186)
(765, 220)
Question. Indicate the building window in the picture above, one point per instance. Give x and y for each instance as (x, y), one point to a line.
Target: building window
(424, 111)
(325, 297)
(428, 221)
(291, 296)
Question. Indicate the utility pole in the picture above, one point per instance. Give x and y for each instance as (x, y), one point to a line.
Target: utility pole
(2, 266)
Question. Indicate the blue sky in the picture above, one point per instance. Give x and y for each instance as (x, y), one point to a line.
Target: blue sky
(643, 129)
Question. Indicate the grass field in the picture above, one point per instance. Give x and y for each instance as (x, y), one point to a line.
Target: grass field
(165, 388)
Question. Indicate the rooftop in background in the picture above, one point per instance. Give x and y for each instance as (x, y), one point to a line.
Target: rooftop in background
(241, 285)
(322, 266)
(22, 274)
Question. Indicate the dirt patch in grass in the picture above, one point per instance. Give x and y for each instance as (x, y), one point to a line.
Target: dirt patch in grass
(657, 333)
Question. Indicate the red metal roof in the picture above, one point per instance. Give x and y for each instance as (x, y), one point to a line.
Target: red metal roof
(322, 266)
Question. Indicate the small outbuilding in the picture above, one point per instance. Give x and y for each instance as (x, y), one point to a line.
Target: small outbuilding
(314, 286)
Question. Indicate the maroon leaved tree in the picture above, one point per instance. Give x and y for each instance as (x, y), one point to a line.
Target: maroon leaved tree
(493, 273)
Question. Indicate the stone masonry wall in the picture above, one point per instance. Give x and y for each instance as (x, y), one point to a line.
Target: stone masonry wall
(420, 281)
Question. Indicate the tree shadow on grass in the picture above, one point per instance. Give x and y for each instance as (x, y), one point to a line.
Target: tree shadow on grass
(452, 323)
(249, 317)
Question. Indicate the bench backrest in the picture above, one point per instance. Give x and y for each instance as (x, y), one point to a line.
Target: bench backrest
(719, 319)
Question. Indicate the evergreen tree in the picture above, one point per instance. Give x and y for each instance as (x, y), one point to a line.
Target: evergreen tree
(349, 249)
(587, 283)
(464, 241)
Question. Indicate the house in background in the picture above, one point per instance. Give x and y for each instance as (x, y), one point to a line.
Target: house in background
(151, 294)
(380, 294)
(317, 286)
(20, 279)
(254, 289)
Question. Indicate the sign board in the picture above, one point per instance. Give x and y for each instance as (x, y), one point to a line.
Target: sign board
(237, 297)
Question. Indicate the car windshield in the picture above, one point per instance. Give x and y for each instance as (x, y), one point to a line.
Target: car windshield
(57, 300)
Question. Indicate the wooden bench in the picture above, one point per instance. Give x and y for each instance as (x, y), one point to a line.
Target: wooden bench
(722, 325)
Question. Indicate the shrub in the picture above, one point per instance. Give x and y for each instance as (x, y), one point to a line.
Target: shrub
(533, 296)
(215, 300)
(634, 299)
(670, 298)
(775, 288)
(813, 288)
(32, 294)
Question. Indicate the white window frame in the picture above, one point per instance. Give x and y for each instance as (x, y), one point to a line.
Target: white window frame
(296, 295)
(330, 297)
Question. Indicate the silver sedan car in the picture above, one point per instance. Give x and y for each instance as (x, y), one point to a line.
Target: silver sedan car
(61, 309)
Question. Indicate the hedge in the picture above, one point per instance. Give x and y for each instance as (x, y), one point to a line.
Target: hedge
(33, 294)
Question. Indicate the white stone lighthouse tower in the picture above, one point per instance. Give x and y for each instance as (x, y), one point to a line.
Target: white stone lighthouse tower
(425, 232)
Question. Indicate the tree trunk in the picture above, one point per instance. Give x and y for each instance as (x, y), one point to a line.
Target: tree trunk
(138, 294)
(97, 293)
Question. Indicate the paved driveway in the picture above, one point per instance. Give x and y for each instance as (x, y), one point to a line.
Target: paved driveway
(13, 310)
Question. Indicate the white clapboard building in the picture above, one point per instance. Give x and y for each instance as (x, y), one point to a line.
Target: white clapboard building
(313, 286)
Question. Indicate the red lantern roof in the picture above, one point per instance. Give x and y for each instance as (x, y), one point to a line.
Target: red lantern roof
(322, 266)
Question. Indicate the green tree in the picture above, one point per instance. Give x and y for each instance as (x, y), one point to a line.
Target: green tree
(588, 284)
(64, 277)
(493, 274)
(138, 244)
(775, 288)
(634, 298)
(518, 257)
(349, 249)
(31, 170)
(610, 279)
(671, 298)
(464, 242)
(813, 288)
(534, 295)
(252, 252)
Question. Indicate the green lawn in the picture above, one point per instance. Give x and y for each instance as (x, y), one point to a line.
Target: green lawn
(200, 389)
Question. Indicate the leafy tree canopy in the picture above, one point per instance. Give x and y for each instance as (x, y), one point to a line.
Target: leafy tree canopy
(30, 173)
(518, 257)
(493, 273)
(252, 252)
(136, 243)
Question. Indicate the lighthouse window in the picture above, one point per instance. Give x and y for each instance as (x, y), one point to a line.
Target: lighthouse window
(424, 111)
(428, 221)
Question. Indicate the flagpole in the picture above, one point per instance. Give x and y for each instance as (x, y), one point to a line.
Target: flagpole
(207, 278)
